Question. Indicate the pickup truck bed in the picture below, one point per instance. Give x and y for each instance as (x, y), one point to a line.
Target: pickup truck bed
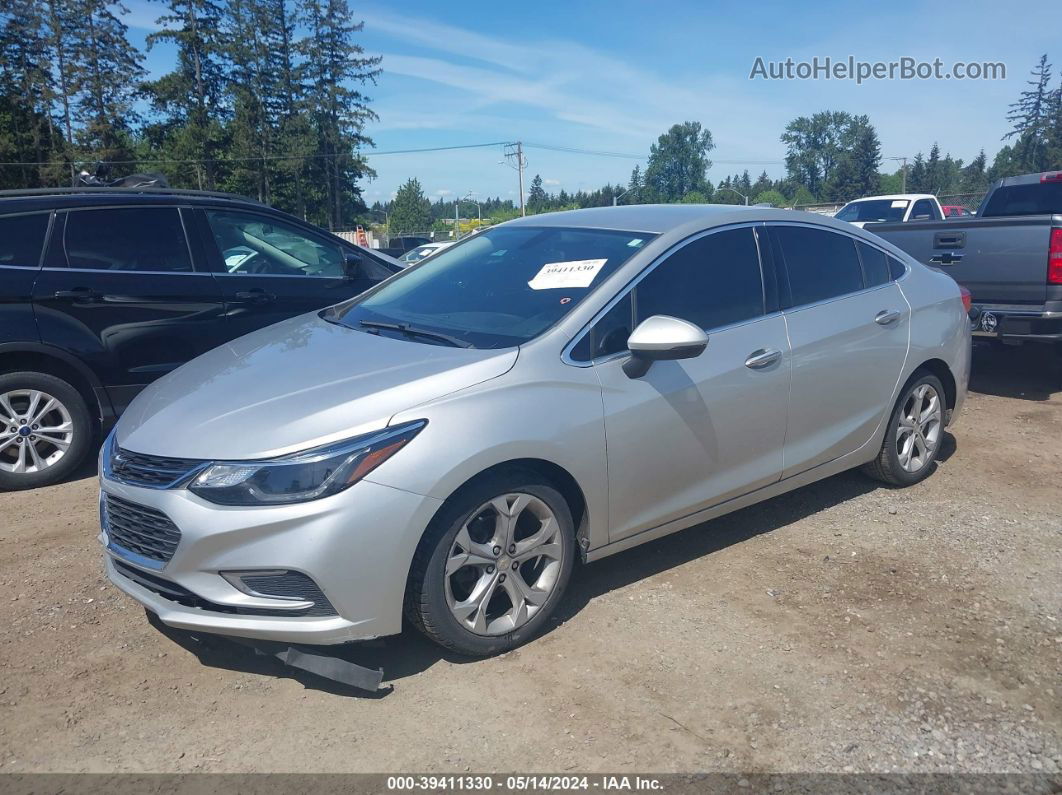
(1012, 266)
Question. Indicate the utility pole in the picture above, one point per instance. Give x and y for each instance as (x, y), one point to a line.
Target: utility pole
(516, 152)
(903, 172)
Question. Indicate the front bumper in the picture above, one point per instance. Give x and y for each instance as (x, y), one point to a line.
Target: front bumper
(356, 546)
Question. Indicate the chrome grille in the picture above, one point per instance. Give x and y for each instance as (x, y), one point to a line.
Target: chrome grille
(141, 530)
(139, 469)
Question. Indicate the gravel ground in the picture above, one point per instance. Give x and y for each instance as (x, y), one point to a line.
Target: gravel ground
(843, 627)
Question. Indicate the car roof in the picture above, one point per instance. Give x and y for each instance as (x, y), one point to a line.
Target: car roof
(894, 196)
(656, 218)
(55, 198)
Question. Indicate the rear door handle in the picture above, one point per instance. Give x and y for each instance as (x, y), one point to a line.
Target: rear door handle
(79, 294)
(256, 296)
(764, 357)
(886, 316)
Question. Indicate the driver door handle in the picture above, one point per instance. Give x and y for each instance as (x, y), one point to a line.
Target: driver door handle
(79, 294)
(886, 316)
(764, 357)
(256, 296)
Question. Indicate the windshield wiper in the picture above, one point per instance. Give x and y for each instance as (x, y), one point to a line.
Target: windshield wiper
(412, 331)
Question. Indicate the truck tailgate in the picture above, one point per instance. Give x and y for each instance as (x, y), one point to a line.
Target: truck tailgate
(999, 260)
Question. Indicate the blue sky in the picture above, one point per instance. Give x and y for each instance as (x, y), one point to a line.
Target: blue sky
(613, 75)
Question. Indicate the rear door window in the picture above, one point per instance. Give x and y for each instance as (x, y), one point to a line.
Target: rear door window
(924, 209)
(820, 264)
(22, 239)
(127, 239)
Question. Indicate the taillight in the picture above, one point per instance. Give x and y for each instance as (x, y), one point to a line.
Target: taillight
(1054, 258)
(967, 299)
(1053, 177)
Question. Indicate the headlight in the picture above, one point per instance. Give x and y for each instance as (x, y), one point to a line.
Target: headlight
(299, 477)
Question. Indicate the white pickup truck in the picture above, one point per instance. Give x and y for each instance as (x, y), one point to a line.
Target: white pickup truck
(896, 208)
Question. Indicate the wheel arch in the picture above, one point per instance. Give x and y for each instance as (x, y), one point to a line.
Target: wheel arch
(39, 358)
(940, 369)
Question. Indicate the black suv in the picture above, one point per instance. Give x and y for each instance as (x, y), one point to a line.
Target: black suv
(104, 290)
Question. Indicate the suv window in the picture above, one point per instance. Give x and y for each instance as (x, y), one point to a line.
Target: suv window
(127, 239)
(252, 243)
(924, 208)
(713, 281)
(22, 239)
(820, 264)
(875, 264)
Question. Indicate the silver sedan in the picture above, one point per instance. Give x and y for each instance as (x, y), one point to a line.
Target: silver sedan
(562, 386)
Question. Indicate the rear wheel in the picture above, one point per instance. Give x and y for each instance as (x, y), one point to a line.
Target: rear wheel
(494, 565)
(45, 430)
(916, 431)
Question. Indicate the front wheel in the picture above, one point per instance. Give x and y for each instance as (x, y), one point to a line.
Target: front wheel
(493, 566)
(916, 431)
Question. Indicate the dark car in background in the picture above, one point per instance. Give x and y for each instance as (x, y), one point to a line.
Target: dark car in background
(104, 290)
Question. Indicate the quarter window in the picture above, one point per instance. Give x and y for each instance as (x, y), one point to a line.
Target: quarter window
(22, 239)
(820, 264)
(127, 239)
(258, 244)
(875, 264)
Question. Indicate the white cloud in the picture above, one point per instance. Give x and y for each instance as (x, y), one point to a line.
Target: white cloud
(551, 182)
(444, 192)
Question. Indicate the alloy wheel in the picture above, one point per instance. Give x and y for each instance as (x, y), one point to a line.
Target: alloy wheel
(919, 428)
(36, 430)
(504, 564)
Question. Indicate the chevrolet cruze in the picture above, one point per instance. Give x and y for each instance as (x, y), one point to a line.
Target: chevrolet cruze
(449, 444)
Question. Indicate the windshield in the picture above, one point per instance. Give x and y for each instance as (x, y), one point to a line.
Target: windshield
(874, 210)
(417, 254)
(498, 289)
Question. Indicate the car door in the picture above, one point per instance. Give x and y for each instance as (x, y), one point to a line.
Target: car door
(270, 269)
(119, 289)
(849, 328)
(693, 433)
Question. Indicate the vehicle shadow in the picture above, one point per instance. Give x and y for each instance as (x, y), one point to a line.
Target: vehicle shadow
(410, 653)
(1025, 372)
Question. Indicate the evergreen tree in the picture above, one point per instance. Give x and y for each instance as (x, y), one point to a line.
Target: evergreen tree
(635, 187)
(1031, 117)
(189, 99)
(106, 71)
(816, 144)
(974, 178)
(536, 197)
(762, 183)
(334, 64)
(410, 211)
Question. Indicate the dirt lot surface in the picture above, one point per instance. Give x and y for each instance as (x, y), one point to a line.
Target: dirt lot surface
(844, 627)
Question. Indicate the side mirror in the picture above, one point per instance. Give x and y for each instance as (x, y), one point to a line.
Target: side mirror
(353, 264)
(662, 338)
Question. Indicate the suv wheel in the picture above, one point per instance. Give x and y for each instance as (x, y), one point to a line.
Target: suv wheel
(45, 430)
(914, 436)
(493, 566)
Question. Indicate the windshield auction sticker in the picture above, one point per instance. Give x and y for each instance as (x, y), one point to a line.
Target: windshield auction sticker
(574, 273)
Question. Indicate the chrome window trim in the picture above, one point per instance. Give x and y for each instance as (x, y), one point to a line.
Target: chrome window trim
(280, 275)
(108, 270)
(629, 286)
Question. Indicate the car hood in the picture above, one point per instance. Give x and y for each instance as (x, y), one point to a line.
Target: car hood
(295, 385)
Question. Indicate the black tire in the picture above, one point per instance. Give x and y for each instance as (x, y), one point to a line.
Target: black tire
(82, 431)
(426, 593)
(886, 467)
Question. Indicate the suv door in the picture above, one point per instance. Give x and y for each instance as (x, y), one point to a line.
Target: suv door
(849, 327)
(120, 291)
(270, 269)
(693, 433)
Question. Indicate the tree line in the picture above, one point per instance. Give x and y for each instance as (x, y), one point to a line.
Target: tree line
(263, 99)
(831, 157)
